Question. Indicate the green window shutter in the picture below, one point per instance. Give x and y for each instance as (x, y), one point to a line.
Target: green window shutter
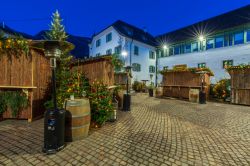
(136, 50)
(108, 37)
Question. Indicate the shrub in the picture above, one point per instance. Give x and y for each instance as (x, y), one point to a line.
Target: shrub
(100, 103)
(138, 86)
(15, 100)
(221, 89)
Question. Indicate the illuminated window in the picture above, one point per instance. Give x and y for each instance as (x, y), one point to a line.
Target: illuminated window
(201, 65)
(248, 35)
(210, 43)
(227, 63)
(194, 47)
(219, 42)
(176, 50)
(187, 48)
(238, 38)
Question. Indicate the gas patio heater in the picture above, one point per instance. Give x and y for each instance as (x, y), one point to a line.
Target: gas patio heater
(202, 93)
(54, 119)
(127, 97)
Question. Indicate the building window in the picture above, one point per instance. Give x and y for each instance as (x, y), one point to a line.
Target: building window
(219, 42)
(151, 69)
(151, 55)
(210, 44)
(136, 50)
(201, 65)
(248, 35)
(171, 51)
(227, 63)
(228, 40)
(98, 54)
(136, 67)
(109, 52)
(238, 38)
(118, 49)
(194, 47)
(165, 67)
(98, 42)
(176, 50)
(187, 48)
(108, 37)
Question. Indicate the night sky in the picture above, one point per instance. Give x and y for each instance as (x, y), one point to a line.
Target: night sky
(84, 17)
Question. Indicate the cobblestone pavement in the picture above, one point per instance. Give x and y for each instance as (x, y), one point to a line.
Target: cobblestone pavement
(155, 132)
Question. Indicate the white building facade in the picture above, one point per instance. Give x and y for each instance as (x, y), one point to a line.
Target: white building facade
(120, 38)
(215, 43)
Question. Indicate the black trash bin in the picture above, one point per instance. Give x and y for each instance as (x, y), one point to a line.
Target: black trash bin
(202, 97)
(126, 102)
(54, 128)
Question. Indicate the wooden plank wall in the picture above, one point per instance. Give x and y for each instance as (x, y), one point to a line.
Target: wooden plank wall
(27, 71)
(97, 69)
(240, 86)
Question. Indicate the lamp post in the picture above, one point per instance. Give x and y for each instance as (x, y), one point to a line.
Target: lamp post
(127, 97)
(202, 93)
(54, 119)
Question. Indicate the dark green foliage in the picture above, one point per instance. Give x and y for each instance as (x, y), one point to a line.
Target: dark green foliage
(100, 103)
(15, 100)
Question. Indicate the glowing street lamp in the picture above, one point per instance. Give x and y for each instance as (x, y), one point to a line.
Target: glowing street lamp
(165, 47)
(201, 38)
(124, 54)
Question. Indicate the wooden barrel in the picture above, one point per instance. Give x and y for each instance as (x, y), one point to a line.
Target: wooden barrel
(77, 119)
(159, 92)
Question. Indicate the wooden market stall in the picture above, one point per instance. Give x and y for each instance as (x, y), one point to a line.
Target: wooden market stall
(240, 85)
(29, 73)
(99, 68)
(177, 84)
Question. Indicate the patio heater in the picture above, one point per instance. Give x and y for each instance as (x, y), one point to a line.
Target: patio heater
(202, 93)
(127, 97)
(54, 119)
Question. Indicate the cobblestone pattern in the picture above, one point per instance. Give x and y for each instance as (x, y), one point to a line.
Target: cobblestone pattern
(155, 132)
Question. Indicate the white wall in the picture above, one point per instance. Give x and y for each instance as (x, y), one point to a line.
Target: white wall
(117, 39)
(143, 59)
(213, 59)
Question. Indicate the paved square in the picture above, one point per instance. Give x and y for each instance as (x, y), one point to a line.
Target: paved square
(155, 132)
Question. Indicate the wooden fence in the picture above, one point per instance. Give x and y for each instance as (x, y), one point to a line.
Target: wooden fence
(30, 73)
(100, 68)
(240, 86)
(178, 84)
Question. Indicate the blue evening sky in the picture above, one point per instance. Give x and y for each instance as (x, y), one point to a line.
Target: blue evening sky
(84, 17)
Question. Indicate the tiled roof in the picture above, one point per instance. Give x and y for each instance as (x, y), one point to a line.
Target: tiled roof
(132, 32)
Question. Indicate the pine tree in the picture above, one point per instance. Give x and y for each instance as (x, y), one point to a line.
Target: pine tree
(57, 30)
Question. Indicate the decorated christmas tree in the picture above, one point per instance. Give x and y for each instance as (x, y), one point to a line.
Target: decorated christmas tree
(67, 82)
(57, 30)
